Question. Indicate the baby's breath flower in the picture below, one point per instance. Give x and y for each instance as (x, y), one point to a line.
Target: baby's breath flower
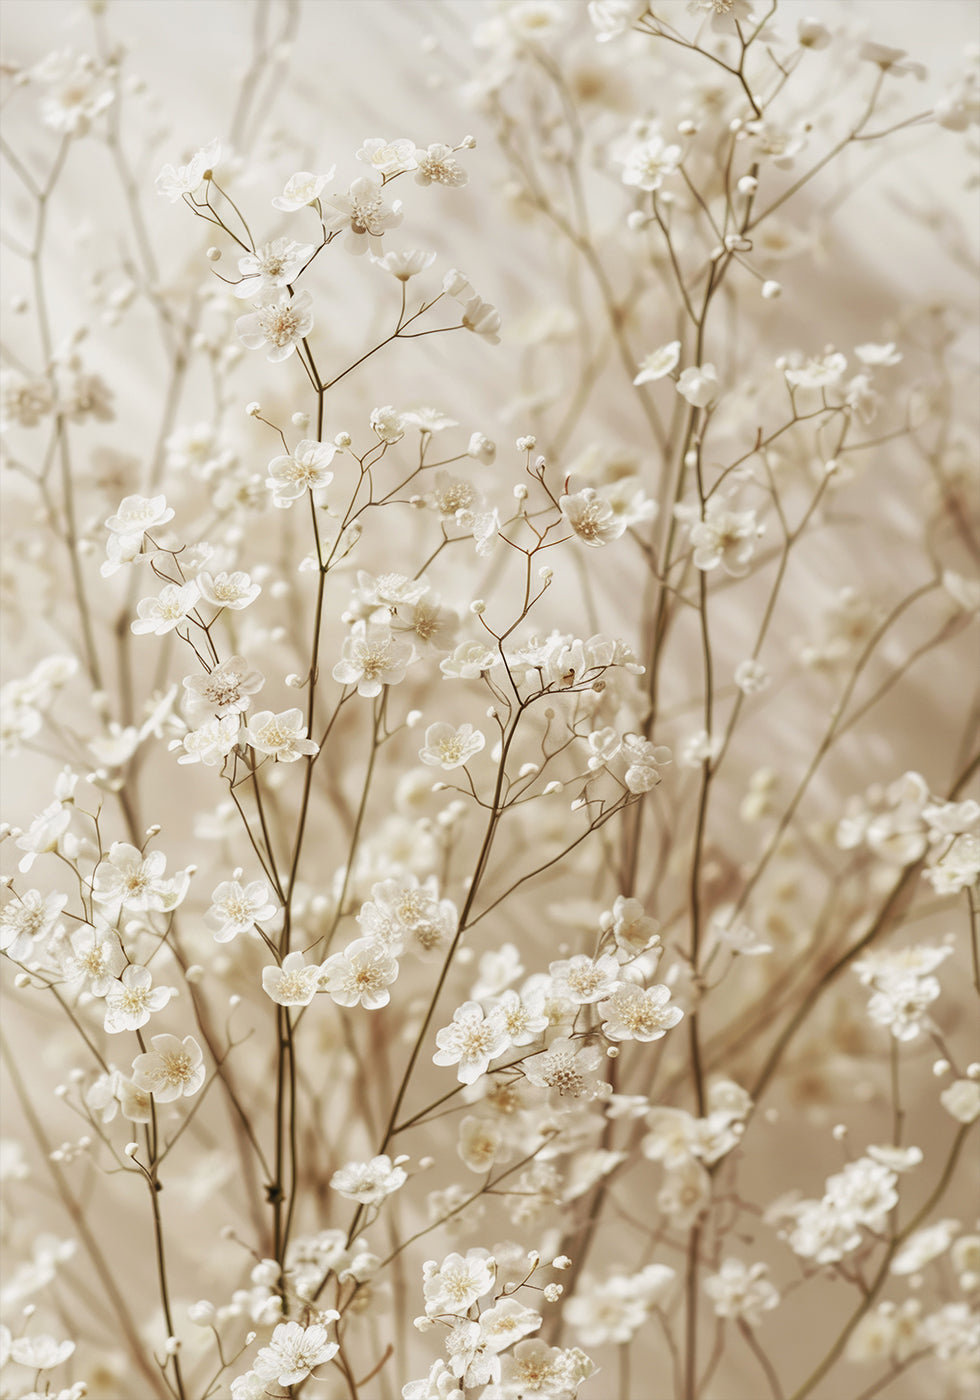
(280, 324)
(448, 747)
(174, 1068)
(280, 735)
(295, 983)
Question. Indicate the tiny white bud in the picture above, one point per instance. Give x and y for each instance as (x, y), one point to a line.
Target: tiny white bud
(612, 1052)
(687, 128)
(171, 1346)
(21, 981)
(131, 1149)
(253, 409)
(973, 1071)
(413, 718)
(520, 492)
(202, 1313)
(839, 1132)
(478, 607)
(771, 290)
(234, 1000)
(195, 973)
(940, 1068)
(552, 1292)
(552, 788)
(300, 420)
(546, 574)
(342, 440)
(636, 220)
(294, 682)
(213, 255)
(748, 184)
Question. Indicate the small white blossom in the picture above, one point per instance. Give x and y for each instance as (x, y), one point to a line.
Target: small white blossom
(304, 469)
(172, 1069)
(447, 747)
(131, 1000)
(271, 267)
(368, 1182)
(281, 735)
(168, 610)
(302, 189)
(295, 983)
(280, 324)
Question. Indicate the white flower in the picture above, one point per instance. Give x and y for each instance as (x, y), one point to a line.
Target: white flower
(699, 385)
(388, 157)
(900, 1004)
(281, 735)
(210, 743)
(436, 165)
(388, 424)
(453, 1286)
(659, 363)
(302, 189)
(741, 1291)
(470, 660)
(97, 955)
(172, 1069)
(174, 182)
(482, 319)
(632, 928)
(40, 1353)
(225, 690)
(962, 1100)
(638, 1013)
(360, 975)
(448, 747)
(566, 1068)
(482, 449)
(128, 878)
(295, 983)
(923, 1246)
(137, 514)
(650, 162)
(429, 420)
(271, 267)
(237, 909)
(373, 657)
(751, 677)
(724, 13)
(406, 264)
(43, 833)
(363, 214)
(304, 469)
(725, 537)
(471, 1041)
(584, 980)
(168, 610)
(368, 1182)
(295, 1351)
(27, 919)
(281, 324)
(890, 60)
(592, 517)
(644, 761)
(821, 373)
(224, 590)
(131, 1001)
